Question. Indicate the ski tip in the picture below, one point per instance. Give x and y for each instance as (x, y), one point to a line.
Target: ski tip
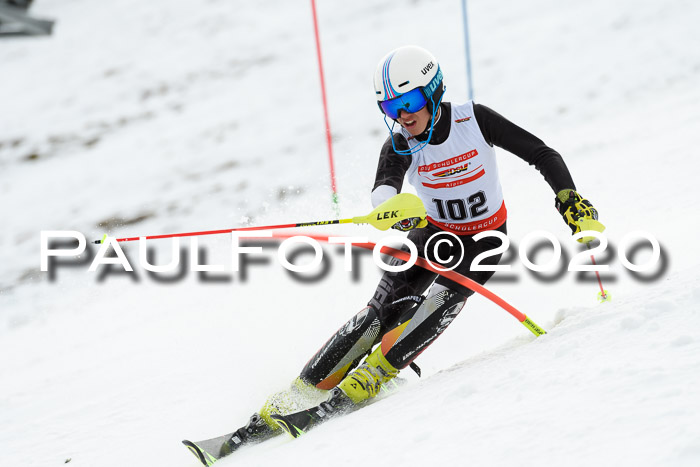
(199, 454)
(286, 425)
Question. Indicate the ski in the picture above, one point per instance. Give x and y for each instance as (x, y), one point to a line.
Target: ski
(211, 450)
(296, 424)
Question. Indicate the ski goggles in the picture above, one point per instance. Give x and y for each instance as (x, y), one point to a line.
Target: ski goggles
(410, 102)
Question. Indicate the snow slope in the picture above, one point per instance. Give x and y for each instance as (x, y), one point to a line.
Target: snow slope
(154, 117)
(614, 385)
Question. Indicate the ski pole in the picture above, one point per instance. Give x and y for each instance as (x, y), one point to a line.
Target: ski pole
(603, 295)
(594, 225)
(395, 209)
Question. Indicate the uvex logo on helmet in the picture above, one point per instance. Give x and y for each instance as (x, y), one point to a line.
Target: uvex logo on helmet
(427, 68)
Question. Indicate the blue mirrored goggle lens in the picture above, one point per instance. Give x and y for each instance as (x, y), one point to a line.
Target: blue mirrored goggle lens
(410, 102)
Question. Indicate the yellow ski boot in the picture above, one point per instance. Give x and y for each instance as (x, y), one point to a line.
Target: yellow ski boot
(366, 381)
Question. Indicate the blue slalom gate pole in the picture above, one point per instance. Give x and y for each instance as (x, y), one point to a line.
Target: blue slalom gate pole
(466, 47)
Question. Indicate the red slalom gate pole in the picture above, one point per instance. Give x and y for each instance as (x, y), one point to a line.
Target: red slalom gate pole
(453, 276)
(329, 141)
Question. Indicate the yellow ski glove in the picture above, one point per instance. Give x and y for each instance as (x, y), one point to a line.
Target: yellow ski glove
(578, 213)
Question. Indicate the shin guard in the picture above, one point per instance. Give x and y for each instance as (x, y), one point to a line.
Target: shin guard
(343, 351)
(402, 344)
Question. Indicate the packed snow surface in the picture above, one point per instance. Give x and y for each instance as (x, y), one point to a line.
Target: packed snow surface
(141, 118)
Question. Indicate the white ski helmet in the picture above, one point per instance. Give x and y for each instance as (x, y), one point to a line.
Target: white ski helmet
(403, 70)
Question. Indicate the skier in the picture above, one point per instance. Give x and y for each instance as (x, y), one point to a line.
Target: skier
(447, 153)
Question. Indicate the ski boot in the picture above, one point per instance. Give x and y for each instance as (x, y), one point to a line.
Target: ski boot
(359, 386)
(366, 381)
